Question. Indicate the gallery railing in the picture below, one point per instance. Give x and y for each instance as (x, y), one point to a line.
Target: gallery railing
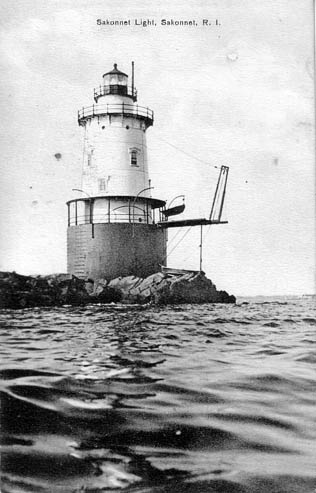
(106, 218)
(116, 109)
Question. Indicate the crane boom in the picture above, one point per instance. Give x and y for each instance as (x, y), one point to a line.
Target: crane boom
(216, 210)
(219, 196)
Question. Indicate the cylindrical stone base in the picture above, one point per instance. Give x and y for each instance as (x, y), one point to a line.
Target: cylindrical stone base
(111, 250)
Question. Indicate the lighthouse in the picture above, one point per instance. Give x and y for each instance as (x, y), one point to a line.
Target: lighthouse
(114, 222)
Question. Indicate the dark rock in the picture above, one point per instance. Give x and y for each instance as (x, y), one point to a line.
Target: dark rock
(18, 291)
(107, 295)
(190, 288)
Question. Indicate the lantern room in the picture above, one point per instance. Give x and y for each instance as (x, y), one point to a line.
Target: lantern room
(115, 78)
(116, 82)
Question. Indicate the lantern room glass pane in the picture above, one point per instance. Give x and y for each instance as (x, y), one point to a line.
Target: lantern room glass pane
(115, 79)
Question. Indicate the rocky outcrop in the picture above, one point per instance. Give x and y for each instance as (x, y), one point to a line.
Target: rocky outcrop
(164, 289)
(18, 291)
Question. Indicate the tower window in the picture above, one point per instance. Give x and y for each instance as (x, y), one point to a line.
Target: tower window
(102, 187)
(134, 156)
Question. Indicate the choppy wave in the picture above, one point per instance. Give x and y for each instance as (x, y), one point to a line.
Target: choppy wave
(209, 398)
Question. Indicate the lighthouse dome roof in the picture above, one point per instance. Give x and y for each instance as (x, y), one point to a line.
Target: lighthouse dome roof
(115, 71)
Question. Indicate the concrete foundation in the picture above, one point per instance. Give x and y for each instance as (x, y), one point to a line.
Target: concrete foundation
(110, 250)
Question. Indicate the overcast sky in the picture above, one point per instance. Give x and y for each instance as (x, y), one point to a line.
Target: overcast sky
(238, 94)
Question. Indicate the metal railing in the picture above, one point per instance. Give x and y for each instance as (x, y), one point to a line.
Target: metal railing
(115, 89)
(116, 109)
(112, 218)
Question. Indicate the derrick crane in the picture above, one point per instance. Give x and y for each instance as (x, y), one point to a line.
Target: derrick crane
(216, 210)
(215, 214)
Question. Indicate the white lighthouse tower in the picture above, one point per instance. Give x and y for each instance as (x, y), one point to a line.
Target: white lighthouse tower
(113, 227)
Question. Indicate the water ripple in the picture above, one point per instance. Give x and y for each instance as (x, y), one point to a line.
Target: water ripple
(183, 399)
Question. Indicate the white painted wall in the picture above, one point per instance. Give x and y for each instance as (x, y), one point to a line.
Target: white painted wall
(108, 143)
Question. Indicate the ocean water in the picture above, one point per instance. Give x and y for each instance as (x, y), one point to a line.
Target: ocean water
(208, 398)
